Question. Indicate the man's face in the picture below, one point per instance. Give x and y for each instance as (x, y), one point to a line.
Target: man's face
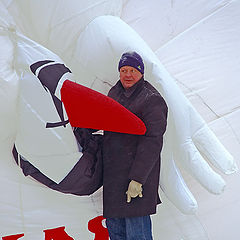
(129, 76)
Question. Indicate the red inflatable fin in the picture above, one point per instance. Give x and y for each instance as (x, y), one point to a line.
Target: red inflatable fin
(87, 108)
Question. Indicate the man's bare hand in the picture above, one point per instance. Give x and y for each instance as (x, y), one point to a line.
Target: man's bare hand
(134, 190)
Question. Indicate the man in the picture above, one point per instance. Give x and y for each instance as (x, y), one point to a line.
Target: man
(131, 163)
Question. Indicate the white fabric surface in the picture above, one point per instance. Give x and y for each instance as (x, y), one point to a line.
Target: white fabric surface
(198, 43)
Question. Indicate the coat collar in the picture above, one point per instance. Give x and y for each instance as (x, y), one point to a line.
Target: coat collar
(128, 92)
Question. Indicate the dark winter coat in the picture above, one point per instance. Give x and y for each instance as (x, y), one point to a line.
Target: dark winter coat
(129, 157)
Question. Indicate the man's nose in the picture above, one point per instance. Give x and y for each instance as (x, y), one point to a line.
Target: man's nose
(128, 73)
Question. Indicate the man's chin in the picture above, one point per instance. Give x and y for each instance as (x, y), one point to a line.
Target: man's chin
(128, 84)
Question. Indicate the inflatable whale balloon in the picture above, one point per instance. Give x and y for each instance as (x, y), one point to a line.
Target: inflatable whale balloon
(46, 95)
(45, 145)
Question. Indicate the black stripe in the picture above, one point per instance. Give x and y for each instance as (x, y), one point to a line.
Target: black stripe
(36, 65)
(57, 124)
(59, 107)
(15, 154)
(50, 75)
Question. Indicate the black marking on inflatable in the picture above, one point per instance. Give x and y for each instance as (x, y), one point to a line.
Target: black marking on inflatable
(15, 154)
(59, 106)
(50, 75)
(57, 124)
(36, 65)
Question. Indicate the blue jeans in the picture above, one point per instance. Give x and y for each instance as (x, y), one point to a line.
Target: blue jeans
(134, 228)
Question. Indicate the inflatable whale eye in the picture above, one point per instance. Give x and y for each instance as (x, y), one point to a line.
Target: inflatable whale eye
(51, 65)
(49, 77)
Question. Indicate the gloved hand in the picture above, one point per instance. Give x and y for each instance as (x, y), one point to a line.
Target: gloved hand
(134, 190)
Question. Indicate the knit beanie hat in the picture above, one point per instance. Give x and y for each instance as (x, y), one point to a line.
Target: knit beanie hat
(132, 59)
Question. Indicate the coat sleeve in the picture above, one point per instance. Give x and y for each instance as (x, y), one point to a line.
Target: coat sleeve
(150, 145)
(90, 143)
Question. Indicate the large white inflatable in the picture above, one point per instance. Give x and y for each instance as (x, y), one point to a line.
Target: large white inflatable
(89, 38)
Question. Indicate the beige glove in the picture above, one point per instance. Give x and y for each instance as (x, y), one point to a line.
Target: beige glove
(134, 190)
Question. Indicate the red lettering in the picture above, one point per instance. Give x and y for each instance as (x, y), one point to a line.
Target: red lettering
(13, 237)
(57, 234)
(95, 226)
